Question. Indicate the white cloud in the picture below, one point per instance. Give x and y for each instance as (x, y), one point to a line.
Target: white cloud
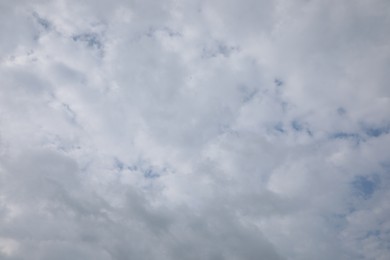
(202, 130)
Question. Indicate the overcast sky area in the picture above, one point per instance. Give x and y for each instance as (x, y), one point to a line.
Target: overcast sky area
(190, 130)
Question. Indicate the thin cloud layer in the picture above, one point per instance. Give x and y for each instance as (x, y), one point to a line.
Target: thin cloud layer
(194, 130)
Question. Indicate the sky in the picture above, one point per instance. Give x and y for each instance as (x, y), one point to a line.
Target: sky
(180, 130)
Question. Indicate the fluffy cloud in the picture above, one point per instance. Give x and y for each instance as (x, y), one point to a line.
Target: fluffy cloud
(202, 130)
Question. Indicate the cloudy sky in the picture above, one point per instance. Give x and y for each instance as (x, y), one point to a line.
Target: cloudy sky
(205, 129)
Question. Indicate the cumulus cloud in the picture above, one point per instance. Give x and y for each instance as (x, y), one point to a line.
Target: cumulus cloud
(194, 130)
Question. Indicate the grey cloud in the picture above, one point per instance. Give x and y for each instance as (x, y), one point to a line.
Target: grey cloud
(203, 130)
(58, 217)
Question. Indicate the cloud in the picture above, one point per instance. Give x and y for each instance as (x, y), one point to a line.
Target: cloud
(202, 130)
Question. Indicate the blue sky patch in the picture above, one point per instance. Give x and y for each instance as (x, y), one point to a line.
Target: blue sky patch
(279, 127)
(341, 111)
(42, 22)
(347, 136)
(296, 125)
(91, 39)
(118, 164)
(150, 174)
(247, 93)
(377, 131)
(278, 82)
(365, 186)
